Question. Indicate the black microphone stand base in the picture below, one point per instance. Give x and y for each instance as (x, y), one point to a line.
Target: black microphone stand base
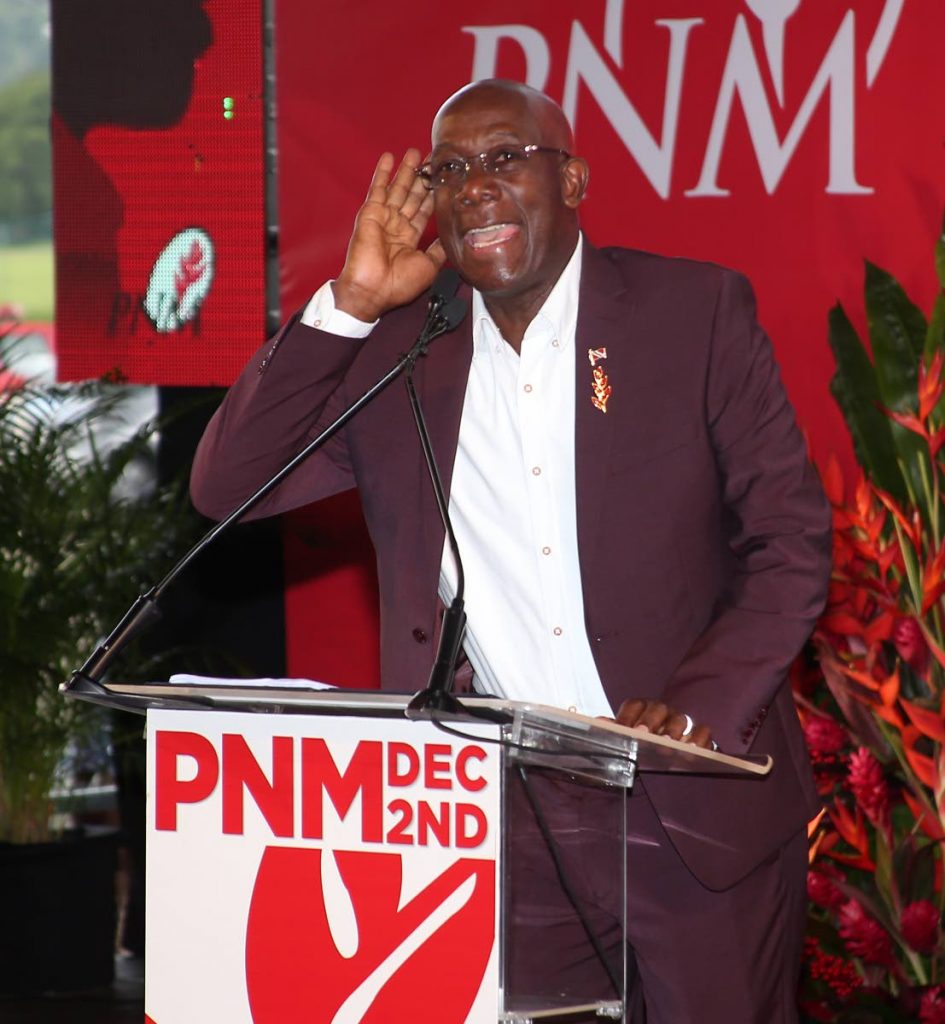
(430, 703)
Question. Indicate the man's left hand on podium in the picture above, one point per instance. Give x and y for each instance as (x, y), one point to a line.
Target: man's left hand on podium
(658, 718)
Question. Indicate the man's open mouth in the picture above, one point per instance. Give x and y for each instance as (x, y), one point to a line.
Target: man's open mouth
(492, 235)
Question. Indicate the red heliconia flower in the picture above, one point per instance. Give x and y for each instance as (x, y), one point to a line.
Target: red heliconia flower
(868, 785)
(822, 891)
(863, 936)
(913, 529)
(911, 644)
(919, 925)
(933, 579)
(931, 385)
(932, 1007)
(824, 735)
(832, 479)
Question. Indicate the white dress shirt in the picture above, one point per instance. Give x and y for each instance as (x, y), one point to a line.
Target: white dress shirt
(512, 504)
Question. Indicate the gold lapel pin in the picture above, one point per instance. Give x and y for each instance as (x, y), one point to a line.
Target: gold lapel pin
(600, 385)
(601, 388)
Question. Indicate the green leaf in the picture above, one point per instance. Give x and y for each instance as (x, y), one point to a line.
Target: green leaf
(940, 256)
(897, 337)
(914, 858)
(935, 335)
(886, 883)
(856, 390)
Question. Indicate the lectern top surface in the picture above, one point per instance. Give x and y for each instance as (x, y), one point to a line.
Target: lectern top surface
(650, 753)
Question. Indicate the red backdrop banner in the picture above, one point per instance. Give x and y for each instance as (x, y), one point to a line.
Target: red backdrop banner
(789, 139)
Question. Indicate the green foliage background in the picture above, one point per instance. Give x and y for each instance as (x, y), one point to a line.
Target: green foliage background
(74, 548)
(26, 278)
(25, 172)
(24, 38)
(26, 274)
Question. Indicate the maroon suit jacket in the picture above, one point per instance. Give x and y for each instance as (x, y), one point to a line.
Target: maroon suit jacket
(703, 533)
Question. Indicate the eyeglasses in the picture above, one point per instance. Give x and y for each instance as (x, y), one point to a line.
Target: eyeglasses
(502, 161)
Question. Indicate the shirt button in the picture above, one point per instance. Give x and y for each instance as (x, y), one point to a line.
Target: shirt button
(546, 550)
(572, 709)
(556, 343)
(536, 470)
(317, 323)
(557, 631)
(419, 636)
(528, 389)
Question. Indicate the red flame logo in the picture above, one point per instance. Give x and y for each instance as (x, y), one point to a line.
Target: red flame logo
(190, 269)
(395, 962)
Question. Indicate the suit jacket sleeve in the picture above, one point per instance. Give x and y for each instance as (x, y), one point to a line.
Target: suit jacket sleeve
(288, 391)
(779, 534)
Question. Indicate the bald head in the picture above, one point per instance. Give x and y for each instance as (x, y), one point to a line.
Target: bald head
(549, 125)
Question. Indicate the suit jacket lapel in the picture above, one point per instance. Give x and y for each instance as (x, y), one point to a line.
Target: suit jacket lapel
(605, 314)
(441, 383)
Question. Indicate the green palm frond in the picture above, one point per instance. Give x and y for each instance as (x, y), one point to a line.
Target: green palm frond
(76, 544)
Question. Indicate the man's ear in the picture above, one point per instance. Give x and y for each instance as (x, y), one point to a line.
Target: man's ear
(574, 177)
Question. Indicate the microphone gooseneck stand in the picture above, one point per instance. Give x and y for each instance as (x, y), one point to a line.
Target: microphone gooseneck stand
(437, 696)
(444, 313)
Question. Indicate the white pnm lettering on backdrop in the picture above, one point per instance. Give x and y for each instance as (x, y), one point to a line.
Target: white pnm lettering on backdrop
(835, 82)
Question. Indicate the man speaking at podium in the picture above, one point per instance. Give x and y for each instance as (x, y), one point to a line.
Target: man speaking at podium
(641, 531)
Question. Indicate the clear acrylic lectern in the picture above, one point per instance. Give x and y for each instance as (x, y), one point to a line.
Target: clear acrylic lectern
(554, 783)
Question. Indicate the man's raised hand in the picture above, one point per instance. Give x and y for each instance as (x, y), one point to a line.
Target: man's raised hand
(384, 267)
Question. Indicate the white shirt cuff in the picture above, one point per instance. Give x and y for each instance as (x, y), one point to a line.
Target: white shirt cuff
(321, 314)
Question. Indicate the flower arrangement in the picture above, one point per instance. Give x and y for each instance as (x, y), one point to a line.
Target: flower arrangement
(876, 733)
(872, 697)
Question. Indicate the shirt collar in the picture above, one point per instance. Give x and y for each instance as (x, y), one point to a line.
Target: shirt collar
(557, 317)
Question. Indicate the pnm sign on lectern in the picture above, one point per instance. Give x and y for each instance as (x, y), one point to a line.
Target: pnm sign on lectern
(312, 868)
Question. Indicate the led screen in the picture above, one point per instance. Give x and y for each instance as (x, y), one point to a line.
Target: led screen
(159, 177)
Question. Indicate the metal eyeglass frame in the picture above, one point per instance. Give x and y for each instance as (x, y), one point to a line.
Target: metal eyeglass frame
(486, 161)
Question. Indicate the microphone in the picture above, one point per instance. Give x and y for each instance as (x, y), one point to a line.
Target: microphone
(445, 285)
(453, 312)
(445, 311)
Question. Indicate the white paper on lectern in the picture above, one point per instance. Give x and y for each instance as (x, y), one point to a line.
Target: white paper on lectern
(185, 679)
